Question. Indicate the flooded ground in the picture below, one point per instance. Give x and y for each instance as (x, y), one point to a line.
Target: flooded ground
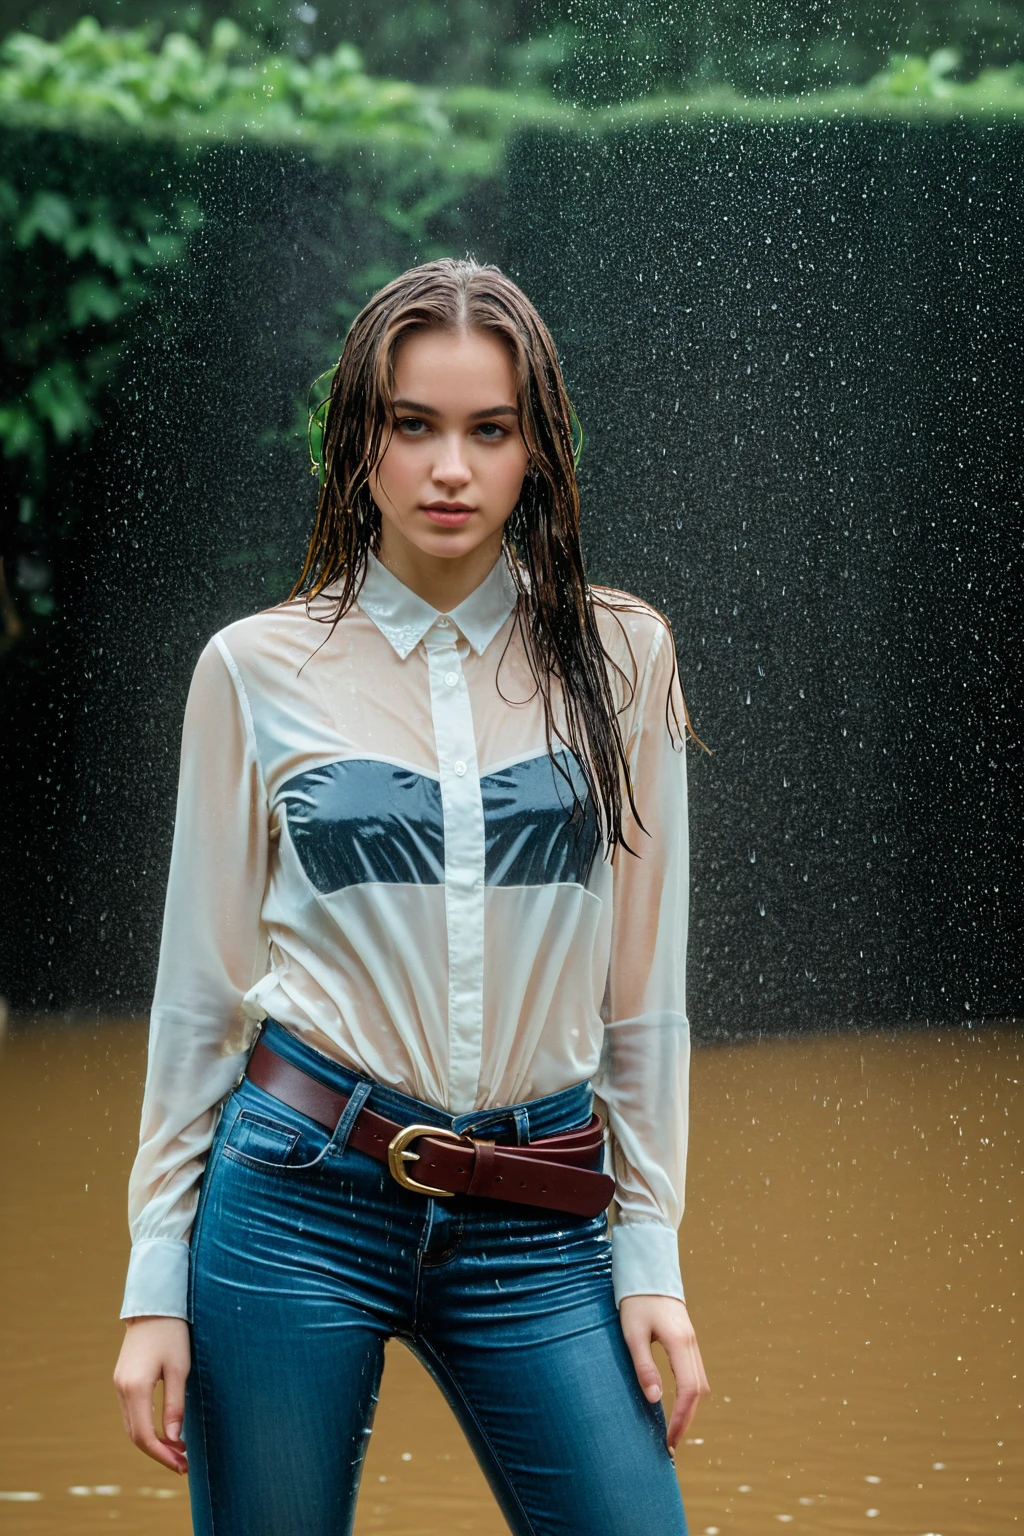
(850, 1249)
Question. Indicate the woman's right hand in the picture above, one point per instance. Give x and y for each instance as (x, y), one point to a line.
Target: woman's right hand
(154, 1349)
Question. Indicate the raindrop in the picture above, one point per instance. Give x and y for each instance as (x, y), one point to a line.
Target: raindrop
(753, 856)
(760, 908)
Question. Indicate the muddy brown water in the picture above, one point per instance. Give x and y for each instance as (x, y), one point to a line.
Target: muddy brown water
(850, 1248)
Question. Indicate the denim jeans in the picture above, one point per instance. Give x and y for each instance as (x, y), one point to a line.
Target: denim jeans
(307, 1256)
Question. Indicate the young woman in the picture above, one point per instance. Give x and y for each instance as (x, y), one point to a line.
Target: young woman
(431, 848)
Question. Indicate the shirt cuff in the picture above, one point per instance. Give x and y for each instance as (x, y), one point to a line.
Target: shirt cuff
(645, 1260)
(157, 1284)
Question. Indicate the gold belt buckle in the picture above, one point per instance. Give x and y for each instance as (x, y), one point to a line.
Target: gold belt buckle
(398, 1156)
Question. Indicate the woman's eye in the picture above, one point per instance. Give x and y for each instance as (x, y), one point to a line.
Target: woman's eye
(412, 426)
(491, 432)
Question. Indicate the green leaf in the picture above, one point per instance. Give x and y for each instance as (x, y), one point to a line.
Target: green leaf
(91, 298)
(20, 432)
(49, 215)
(60, 400)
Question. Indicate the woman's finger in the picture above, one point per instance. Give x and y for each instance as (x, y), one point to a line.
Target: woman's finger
(647, 1374)
(174, 1404)
(691, 1383)
(137, 1411)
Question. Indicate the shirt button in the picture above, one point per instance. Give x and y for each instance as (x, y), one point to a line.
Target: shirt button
(443, 623)
(459, 767)
(451, 678)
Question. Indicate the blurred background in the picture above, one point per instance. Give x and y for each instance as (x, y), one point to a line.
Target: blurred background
(779, 249)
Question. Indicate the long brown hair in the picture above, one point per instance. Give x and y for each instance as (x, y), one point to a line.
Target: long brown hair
(556, 604)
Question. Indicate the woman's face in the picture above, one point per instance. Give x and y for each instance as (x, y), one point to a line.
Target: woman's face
(454, 467)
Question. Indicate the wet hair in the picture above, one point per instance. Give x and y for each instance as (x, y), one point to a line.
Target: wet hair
(555, 610)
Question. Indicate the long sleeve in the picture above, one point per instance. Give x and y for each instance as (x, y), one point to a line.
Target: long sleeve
(643, 1078)
(212, 950)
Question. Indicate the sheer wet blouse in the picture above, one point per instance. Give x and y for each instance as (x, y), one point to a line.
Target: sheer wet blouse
(372, 846)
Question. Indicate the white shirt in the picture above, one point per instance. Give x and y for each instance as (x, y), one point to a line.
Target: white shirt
(372, 847)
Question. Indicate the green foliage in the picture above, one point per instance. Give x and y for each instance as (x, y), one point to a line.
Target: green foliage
(438, 42)
(230, 87)
(73, 267)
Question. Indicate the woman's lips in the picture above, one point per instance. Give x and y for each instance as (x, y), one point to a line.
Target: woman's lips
(449, 517)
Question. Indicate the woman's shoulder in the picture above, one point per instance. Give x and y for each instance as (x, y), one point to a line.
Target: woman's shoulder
(282, 632)
(630, 628)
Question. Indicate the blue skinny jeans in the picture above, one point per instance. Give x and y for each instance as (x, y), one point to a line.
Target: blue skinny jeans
(307, 1256)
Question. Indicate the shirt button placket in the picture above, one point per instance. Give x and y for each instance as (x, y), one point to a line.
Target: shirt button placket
(462, 809)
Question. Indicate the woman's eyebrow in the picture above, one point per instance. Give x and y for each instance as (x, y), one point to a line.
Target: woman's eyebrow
(430, 410)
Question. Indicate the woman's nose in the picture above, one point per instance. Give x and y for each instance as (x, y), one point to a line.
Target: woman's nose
(450, 467)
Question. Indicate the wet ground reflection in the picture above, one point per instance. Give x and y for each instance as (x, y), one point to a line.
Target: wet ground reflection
(850, 1250)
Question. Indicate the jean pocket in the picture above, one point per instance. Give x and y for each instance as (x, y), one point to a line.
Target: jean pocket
(261, 1142)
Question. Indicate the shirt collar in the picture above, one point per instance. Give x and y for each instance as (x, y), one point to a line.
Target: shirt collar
(404, 618)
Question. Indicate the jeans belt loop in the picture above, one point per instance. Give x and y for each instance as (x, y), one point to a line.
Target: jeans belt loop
(343, 1130)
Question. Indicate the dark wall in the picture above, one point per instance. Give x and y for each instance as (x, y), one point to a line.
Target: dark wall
(795, 352)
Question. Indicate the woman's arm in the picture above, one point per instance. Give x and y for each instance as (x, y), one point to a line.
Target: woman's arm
(212, 950)
(644, 1073)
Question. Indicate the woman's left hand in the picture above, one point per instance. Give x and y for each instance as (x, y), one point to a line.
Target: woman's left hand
(645, 1319)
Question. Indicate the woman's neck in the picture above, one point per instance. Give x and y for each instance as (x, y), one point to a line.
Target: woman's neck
(443, 582)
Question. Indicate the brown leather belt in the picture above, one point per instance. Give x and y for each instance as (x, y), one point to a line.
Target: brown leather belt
(559, 1172)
